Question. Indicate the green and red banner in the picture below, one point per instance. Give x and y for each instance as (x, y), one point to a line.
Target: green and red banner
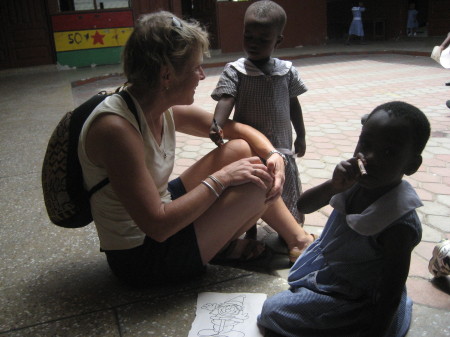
(91, 38)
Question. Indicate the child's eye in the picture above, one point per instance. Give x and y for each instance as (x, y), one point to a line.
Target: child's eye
(389, 152)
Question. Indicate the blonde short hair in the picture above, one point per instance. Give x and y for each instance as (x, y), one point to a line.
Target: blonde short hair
(161, 39)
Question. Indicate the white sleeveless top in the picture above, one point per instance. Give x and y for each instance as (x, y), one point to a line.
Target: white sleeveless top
(115, 228)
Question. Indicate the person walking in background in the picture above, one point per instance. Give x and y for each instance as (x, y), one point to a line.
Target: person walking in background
(441, 54)
(352, 280)
(356, 27)
(412, 24)
(444, 54)
(264, 92)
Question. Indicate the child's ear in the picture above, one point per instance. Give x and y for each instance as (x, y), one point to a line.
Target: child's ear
(280, 39)
(414, 165)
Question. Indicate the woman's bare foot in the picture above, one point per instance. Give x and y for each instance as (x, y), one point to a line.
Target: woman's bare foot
(296, 249)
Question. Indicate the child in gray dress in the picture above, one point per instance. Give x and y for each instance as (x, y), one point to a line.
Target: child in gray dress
(264, 92)
(351, 281)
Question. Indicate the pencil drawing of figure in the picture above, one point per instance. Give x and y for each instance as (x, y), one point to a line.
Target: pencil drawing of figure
(224, 317)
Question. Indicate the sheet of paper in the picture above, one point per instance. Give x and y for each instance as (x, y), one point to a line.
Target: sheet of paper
(227, 315)
(436, 54)
(445, 58)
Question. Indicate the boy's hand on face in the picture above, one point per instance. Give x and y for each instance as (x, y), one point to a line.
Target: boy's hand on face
(300, 146)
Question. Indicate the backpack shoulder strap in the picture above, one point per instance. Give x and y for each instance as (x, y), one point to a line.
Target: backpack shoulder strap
(127, 98)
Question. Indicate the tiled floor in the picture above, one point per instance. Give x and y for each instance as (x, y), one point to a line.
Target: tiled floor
(341, 90)
(54, 282)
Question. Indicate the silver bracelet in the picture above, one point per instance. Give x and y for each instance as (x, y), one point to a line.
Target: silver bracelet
(279, 153)
(217, 181)
(211, 188)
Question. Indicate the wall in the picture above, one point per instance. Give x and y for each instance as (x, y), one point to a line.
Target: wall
(439, 17)
(147, 6)
(25, 34)
(86, 39)
(306, 23)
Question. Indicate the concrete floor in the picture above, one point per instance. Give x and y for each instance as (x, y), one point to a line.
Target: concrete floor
(55, 282)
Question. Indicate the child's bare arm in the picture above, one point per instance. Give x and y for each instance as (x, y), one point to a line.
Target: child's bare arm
(345, 175)
(223, 109)
(396, 247)
(221, 114)
(299, 126)
(315, 198)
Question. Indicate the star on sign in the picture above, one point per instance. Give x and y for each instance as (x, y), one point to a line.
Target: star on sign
(98, 38)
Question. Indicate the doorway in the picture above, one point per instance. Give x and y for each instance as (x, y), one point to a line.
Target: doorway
(204, 11)
(24, 37)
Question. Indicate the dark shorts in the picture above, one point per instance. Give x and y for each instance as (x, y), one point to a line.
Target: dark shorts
(154, 262)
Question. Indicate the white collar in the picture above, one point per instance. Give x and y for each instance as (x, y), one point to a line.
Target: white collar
(246, 67)
(384, 211)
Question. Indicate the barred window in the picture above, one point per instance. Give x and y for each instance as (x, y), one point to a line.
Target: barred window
(84, 5)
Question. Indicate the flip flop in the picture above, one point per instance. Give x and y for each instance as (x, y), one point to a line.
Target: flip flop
(240, 250)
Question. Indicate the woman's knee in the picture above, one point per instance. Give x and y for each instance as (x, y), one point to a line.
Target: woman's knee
(239, 148)
(236, 206)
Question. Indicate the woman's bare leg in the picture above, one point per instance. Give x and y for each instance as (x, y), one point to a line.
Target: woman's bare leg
(283, 222)
(237, 209)
(214, 161)
(232, 215)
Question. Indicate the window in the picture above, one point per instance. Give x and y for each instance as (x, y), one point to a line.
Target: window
(84, 5)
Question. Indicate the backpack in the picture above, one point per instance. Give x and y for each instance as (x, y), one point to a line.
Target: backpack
(66, 199)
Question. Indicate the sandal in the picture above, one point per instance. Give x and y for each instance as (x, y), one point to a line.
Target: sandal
(240, 250)
(295, 252)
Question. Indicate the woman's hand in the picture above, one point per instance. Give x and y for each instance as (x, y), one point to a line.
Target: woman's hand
(244, 171)
(275, 166)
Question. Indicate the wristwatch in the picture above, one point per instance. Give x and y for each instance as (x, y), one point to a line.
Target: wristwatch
(281, 154)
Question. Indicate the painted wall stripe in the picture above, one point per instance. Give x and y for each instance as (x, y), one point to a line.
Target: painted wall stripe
(91, 39)
(89, 57)
(69, 22)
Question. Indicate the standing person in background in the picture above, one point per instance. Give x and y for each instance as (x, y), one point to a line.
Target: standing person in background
(441, 54)
(445, 53)
(263, 90)
(412, 24)
(356, 27)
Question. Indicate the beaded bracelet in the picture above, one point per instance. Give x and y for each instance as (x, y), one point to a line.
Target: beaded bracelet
(210, 187)
(217, 181)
